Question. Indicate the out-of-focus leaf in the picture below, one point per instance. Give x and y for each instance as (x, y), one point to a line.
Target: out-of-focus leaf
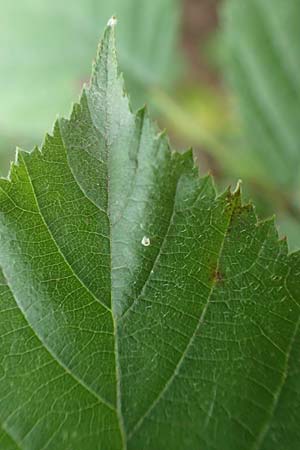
(290, 226)
(203, 117)
(138, 310)
(196, 112)
(263, 53)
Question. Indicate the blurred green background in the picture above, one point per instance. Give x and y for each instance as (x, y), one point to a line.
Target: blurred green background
(220, 75)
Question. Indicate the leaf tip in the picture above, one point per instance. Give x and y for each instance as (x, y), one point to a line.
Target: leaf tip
(112, 22)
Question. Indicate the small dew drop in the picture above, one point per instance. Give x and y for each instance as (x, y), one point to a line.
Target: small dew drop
(112, 22)
(146, 241)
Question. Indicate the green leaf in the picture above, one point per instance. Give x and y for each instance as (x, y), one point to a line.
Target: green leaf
(263, 39)
(138, 309)
(6, 442)
(46, 47)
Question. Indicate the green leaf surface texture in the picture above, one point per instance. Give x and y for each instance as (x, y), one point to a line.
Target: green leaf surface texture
(263, 39)
(138, 308)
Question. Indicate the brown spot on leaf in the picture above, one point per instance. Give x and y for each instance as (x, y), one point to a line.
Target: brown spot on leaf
(217, 276)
